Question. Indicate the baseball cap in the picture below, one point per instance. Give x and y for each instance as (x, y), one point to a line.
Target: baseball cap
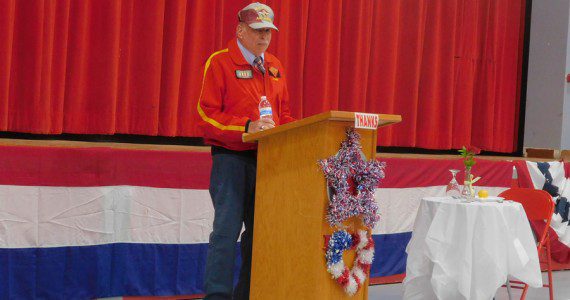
(257, 15)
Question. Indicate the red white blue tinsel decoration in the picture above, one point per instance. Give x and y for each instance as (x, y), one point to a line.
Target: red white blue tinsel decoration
(340, 240)
(351, 181)
(347, 165)
(350, 279)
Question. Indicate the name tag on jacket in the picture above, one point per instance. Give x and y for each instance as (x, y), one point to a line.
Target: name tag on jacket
(244, 74)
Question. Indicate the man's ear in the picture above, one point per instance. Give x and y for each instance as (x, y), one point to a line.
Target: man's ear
(239, 31)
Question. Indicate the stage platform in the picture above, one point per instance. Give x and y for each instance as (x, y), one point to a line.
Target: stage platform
(98, 220)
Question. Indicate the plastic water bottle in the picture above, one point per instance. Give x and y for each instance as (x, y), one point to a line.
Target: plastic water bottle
(265, 111)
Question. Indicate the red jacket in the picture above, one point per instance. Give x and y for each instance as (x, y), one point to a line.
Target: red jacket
(231, 91)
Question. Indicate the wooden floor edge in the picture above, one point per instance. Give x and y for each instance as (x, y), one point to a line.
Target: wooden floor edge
(78, 144)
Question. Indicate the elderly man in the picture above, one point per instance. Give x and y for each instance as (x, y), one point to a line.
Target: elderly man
(235, 80)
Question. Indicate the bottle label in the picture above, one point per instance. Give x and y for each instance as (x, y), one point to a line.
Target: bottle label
(265, 112)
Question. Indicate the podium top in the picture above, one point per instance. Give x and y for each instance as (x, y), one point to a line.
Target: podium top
(342, 116)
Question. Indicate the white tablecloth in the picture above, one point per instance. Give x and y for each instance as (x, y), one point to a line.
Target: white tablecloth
(466, 250)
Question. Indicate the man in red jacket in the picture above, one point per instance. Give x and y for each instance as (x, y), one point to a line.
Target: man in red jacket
(234, 81)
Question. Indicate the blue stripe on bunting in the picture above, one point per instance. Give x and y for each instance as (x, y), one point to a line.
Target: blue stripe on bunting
(112, 270)
(108, 270)
(390, 254)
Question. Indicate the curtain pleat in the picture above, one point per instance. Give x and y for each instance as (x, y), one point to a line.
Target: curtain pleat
(171, 73)
(356, 30)
(322, 67)
(6, 35)
(95, 73)
(452, 69)
(436, 71)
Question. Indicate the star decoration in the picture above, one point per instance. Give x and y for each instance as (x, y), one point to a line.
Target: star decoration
(348, 166)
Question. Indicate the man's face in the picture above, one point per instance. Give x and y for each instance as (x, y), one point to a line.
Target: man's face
(254, 40)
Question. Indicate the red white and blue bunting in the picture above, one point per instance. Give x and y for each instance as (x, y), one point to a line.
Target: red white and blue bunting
(552, 178)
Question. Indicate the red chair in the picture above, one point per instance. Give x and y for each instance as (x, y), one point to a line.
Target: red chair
(538, 206)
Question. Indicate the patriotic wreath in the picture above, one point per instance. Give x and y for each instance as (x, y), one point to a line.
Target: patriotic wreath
(341, 240)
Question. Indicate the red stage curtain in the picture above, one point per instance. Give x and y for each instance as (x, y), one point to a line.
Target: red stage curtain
(450, 68)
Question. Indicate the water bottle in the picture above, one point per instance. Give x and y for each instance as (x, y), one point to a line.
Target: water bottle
(265, 109)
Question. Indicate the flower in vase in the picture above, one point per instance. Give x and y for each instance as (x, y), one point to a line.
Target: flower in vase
(468, 154)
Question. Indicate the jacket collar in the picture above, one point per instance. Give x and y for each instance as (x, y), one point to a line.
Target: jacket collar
(237, 56)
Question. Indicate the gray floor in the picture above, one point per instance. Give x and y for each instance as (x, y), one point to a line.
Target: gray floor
(395, 292)
(561, 290)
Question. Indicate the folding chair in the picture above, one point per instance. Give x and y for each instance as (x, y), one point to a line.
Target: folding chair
(538, 206)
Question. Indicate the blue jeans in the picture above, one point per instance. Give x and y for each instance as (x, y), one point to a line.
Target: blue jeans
(232, 188)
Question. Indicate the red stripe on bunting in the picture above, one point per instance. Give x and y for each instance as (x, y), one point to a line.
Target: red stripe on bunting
(64, 166)
(61, 166)
(409, 172)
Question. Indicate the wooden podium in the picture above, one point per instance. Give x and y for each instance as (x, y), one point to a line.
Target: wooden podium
(290, 207)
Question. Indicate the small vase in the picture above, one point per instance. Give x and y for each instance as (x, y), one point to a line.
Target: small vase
(466, 192)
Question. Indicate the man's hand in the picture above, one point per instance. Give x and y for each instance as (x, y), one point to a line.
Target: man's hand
(260, 125)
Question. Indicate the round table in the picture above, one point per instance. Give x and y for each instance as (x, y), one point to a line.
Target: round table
(464, 250)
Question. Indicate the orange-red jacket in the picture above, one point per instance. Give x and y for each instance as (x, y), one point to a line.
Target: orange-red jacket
(231, 91)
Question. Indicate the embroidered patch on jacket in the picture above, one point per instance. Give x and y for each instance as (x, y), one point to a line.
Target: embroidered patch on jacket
(274, 72)
(244, 74)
